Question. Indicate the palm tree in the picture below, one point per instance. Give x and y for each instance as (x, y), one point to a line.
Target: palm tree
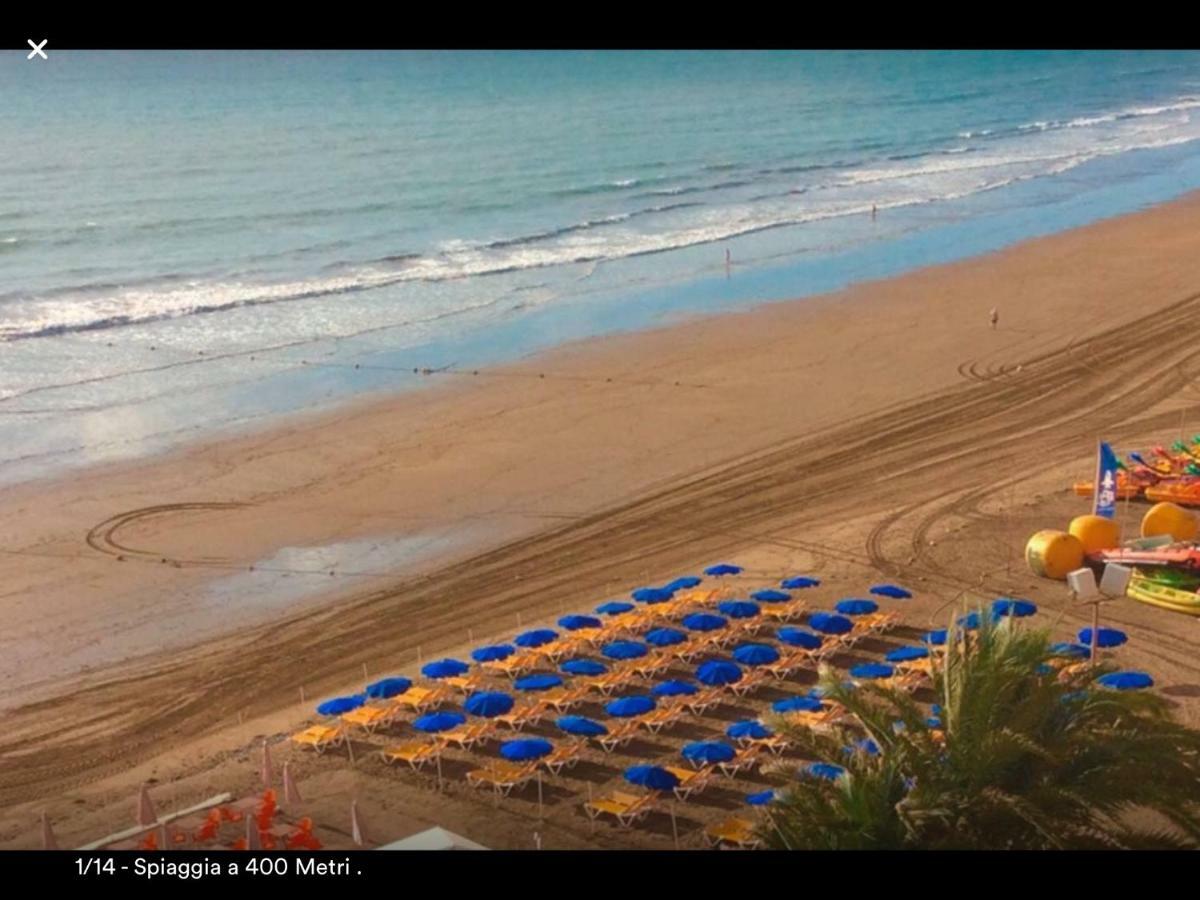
(1020, 756)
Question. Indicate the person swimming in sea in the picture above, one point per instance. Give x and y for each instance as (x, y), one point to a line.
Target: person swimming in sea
(994, 318)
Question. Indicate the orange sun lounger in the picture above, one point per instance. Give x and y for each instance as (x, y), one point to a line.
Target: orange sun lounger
(625, 808)
(321, 737)
(415, 753)
(502, 777)
(734, 832)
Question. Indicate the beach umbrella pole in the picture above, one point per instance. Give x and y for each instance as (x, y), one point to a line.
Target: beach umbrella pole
(1095, 632)
(539, 781)
(439, 772)
(674, 827)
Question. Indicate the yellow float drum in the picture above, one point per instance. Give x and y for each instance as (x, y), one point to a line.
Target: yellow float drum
(1167, 518)
(1052, 554)
(1095, 533)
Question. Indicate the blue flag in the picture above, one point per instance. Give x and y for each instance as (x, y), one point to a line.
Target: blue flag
(1105, 492)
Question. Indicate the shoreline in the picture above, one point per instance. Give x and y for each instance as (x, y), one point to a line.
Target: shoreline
(459, 452)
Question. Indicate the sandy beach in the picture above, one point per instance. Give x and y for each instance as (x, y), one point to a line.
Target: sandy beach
(885, 431)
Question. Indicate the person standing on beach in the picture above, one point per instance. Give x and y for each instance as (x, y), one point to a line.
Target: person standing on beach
(728, 262)
(873, 212)
(994, 318)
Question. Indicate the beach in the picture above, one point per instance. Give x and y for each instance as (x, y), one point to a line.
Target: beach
(165, 613)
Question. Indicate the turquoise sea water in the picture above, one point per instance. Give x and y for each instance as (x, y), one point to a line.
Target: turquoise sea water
(192, 241)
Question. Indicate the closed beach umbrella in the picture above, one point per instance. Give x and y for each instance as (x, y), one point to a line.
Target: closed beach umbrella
(935, 638)
(652, 595)
(576, 622)
(722, 569)
(748, 729)
(444, 668)
(1106, 637)
(488, 704)
(762, 798)
(854, 607)
(1077, 651)
(717, 672)
(798, 637)
(703, 622)
(872, 670)
(824, 770)
(438, 721)
(539, 682)
(624, 650)
(1126, 681)
(1010, 606)
(906, 654)
(708, 752)
(579, 725)
(625, 707)
(388, 687)
(536, 638)
(830, 623)
(674, 688)
(890, 590)
(614, 608)
(771, 596)
(969, 622)
(756, 654)
(665, 637)
(654, 777)
(798, 704)
(739, 609)
(493, 653)
(339, 705)
(587, 667)
(525, 749)
(799, 582)
(683, 584)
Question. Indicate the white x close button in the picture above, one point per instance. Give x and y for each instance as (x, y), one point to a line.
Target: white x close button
(37, 49)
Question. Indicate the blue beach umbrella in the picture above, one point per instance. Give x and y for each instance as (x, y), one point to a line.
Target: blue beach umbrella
(388, 687)
(756, 655)
(906, 654)
(866, 745)
(536, 638)
(717, 672)
(493, 653)
(652, 595)
(666, 637)
(624, 650)
(587, 667)
(969, 622)
(525, 749)
(748, 729)
(339, 705)
(798, 637)
(799, 582)
(625, 707)
(682, 584)
(935, 638)
(444, 668)
(739, 609)
(1126, 681)
(438, 721)
(576, 622)
(539, 682)
(614, 608)
(1106, 637)
(708, 752)
(703, 622)
(854, 607)
(872, 670)
(890, 590)
(798, 704)
(830, 623)
(488, 704)
(673, 688)
(771, 596)
(1077, 651)
(722, 569)
(824, 770)
(581, 726)
(654, 777)
(1010, 606)
(762, 798)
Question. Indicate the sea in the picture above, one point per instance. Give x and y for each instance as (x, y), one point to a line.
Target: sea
(195, 243)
